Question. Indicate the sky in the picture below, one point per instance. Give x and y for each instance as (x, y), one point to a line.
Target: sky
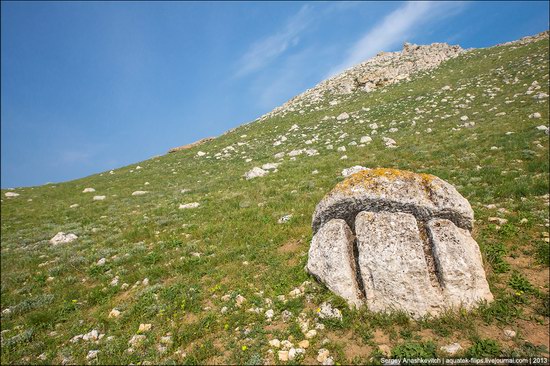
(87, 87)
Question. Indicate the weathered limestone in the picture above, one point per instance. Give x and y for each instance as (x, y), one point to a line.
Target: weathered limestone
(393, 265)
(397, 240)
(331, 260)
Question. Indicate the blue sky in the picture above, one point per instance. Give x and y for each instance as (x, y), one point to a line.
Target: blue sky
(91, 86)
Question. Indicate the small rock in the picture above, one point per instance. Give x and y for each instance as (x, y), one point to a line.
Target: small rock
(365, 139)
(139, 193)
(498, 220)
(304, 344)
(535, 115)
(354, 169)
(311, 333)
(255, 173)
(342, 116)
(114, 313)
(322, 355)
(275, 343)
(92, 354)
(136, 340)
(74, 205)
(284, 219)
(283, 355)
(99, 198)
(62, 238)
(239, 300)
(11, 194)
(144, 328)
(101, 262)
(452, 348)
(509, 333)
(88, 190)
(269, 314)
(189, 205)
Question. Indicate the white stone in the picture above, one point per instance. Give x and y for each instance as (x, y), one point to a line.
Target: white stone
(342, 116)
(255, 173)
(99, 198)
(88, 190)
(92, 354)
(365, 139)
(114, 313)
(101, 262)
(144, 328)
(275, 343)
(62, 238)
(11, 194)
(189, 205)
(354, 169)
(139, 193)
(452, 348)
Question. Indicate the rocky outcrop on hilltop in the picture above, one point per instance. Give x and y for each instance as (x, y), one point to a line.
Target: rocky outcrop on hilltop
(385, 68)
(396, 240)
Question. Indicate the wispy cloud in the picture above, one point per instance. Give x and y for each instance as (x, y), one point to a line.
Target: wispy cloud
(264, 51)
(401, 24)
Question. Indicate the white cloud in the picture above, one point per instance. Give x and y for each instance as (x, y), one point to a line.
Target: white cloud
(396, 27)
(262, 52)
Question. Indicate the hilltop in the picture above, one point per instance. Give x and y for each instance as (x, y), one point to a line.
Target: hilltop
(198, 256)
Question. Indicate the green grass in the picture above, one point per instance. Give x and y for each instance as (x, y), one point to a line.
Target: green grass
(232, 244)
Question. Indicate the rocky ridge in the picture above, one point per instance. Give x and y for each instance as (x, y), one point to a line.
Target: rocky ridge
(384, 69)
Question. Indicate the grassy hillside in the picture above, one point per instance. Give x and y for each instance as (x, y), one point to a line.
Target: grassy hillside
(232, 244)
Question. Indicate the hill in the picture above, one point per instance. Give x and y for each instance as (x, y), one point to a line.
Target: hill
(206, 266)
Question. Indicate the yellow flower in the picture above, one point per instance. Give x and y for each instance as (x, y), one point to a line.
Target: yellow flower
(244, 348)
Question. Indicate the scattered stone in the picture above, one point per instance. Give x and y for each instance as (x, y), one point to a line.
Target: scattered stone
(99, 198)
(88, 190)
(144, 328)
(322, 355)
(365, 140)
(114, 313)
(62, 238)
(497, 220)
(255, 173)
(509, 333)
(304, 344)
(269, 314)
(275, 343)
(139, 193)
(136, 340)
(189, 205)
(342, 116)
(354, 169)
(452, 348)
(74, 205)
(92, 354)
(311, 333)
(326, 311)
(283, 356)
(543, 128)
(284, 219)
(11, 194)
(239, 300)
(535, 115)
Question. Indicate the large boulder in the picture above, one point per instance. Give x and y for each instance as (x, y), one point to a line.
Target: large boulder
(396, 240)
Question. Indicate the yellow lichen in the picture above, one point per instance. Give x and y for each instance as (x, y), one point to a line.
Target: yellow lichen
(370, 179)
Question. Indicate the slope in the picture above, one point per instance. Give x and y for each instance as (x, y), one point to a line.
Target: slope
(186, 271)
